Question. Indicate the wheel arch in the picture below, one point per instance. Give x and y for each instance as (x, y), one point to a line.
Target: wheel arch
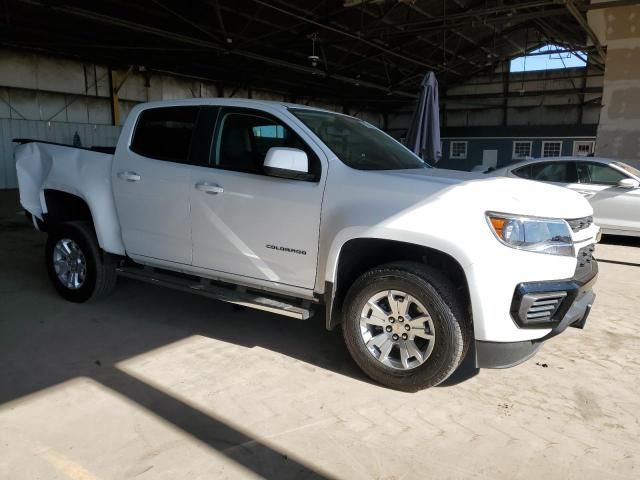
(63, 206)
(358, 255)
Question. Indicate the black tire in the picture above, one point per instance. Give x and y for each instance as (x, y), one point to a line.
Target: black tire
(453, 331)
(100, 276)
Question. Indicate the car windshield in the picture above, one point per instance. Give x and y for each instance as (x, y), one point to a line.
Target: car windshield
(357, 143)
(628, 168)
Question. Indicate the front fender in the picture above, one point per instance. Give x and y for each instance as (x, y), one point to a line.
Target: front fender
(376, 232)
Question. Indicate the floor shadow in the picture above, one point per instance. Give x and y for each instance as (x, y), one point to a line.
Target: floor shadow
(466, 371)
(45, 341)
(618, 262)
(237, 446)
(113, 333)
(620, 240)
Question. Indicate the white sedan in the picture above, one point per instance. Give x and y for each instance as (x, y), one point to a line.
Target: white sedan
(612, 187)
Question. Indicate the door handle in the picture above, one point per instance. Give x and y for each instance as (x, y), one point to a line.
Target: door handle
(210, 188)
(129, 176)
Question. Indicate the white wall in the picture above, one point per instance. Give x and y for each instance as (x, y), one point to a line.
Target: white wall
(49, 98)
(59, 132)
(523, 108)
(618, 28)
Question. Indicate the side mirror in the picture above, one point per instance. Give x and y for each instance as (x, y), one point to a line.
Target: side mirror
(628, 183)
(287, 163)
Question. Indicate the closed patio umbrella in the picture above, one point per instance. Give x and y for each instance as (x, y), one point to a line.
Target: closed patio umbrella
(423, 136)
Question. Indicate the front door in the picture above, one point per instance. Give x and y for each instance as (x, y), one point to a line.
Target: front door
(490, 158)
(250, 224)
(613, 207)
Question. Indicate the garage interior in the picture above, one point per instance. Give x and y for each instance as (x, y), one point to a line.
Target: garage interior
(67, 67)
(158, 384)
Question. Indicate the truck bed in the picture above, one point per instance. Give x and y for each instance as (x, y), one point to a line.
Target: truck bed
(94, 148)
(82, 172)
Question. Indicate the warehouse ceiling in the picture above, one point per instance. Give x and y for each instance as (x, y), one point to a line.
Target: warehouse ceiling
(352, 51)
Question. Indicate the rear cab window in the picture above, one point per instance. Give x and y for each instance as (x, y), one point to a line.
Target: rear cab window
(165, 133)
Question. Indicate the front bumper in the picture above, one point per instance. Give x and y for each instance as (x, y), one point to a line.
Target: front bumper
(576, 298)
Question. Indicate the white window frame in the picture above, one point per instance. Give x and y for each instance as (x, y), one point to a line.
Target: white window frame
(513, 150)
(576, 143)
(549, 142)
(458, 157)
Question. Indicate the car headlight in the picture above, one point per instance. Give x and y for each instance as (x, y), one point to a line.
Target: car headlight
(542, 235)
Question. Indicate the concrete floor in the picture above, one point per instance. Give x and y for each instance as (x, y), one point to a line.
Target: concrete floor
(151, 383)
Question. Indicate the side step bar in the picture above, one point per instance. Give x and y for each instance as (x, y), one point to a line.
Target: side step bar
(205, 288)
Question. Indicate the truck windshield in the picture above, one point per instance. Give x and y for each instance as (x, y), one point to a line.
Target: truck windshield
(358, 144)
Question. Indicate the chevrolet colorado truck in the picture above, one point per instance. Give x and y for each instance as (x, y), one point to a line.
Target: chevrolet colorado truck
(295, 210)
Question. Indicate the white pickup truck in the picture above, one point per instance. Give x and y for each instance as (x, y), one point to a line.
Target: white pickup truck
(295, 210)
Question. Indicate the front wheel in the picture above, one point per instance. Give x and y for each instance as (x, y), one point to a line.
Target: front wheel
(77, 268)
(405, 325)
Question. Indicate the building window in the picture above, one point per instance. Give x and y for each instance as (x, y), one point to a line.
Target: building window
(548, 57)
(458, 150)
(583, 149)
(521, 150)
(551, 149)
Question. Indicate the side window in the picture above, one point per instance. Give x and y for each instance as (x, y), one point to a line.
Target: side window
(561, 172)
(523, 172)
(165, 133)
(245, 138)
(598, 174)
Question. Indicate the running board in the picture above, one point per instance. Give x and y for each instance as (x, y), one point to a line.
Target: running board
(205, 288)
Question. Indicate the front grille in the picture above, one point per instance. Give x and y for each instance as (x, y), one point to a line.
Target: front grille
(540, 307)
(578, 224)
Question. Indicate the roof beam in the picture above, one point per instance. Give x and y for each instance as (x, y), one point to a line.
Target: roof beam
(547, 30)
(489, 38)
(455, 32)
(471, 14)
(465, 23)
(345, 33)
(138, 27)
(582, 21)
(418, 37)
(533, 93)
(291, 29)
(493, 28)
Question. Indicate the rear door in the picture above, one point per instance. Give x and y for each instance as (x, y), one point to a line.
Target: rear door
(247, 223)
(613, 207)
(151, 182)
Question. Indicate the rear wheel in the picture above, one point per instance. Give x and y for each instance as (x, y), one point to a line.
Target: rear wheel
(77, 268)
(405, 326)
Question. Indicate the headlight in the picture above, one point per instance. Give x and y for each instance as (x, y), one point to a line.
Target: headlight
(542, 235)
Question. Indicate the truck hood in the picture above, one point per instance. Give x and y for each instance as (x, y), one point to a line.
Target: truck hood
(498, 194)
